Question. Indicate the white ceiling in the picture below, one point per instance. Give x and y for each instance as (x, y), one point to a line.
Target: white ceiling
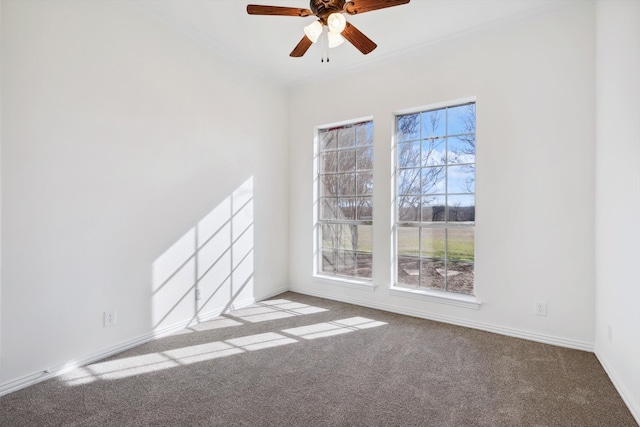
(264, 42)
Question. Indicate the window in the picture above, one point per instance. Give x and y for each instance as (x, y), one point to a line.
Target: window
(345, 192)
(435, 199)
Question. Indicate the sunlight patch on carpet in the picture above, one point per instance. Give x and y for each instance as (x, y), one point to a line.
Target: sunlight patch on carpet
(336, 327)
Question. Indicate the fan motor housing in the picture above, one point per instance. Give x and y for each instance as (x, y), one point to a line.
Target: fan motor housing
(323, 8)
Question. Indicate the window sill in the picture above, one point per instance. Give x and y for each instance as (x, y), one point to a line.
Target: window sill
(339, 281)
(459, 300)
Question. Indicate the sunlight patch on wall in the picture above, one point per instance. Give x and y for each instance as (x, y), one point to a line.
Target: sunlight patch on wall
(210, 267)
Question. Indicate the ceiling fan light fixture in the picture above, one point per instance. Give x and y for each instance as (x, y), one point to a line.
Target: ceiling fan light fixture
(313, 31)
(336, 23)
(335, 39)
(330, 14)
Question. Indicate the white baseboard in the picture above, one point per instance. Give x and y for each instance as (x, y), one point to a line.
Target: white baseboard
(70, 365)
(627, 396)
(516, 333)
(28, 380)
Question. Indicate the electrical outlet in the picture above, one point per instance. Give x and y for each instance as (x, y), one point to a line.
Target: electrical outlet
(609, 333)
(110, 317)
(540, 308)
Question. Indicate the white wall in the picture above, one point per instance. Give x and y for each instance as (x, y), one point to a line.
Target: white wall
(124, 144)
(617, 327)
(534, 82)
(1, 49)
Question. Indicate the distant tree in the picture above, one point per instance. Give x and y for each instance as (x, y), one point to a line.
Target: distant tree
(468, 147)
(349, 193)
(416, 180)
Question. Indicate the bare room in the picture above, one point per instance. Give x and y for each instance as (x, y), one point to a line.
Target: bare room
(283, 212)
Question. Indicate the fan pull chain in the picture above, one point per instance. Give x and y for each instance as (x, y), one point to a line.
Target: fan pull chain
(327, 50)
(323, 47)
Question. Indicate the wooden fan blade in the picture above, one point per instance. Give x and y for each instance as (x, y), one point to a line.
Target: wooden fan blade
(301, 48)
(362, 6)
(363, 43)
(256, 9)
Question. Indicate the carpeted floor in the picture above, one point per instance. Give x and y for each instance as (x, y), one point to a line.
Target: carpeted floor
(296, 360)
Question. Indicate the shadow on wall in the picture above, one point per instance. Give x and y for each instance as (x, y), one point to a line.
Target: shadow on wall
(209, 270)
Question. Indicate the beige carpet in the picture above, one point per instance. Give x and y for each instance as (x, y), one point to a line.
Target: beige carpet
(301, 361)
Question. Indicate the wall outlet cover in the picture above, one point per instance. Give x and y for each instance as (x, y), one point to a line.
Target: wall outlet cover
(110, 317)
(540, 308)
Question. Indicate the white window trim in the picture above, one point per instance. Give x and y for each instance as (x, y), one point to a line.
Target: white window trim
(431, 295)
(344, 281)
(318, 276)
(435, 106)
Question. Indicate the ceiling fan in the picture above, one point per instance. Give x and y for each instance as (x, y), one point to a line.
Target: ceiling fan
(330, 14)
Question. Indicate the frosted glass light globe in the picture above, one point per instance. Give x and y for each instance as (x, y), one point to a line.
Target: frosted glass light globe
(313, 31)
(336, 23)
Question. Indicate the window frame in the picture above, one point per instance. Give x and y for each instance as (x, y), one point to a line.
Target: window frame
(407, 290)
(335, 278)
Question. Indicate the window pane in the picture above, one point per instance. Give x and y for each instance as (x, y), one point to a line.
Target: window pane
(408, 271)
(346, 160)
(328, 140)
(408, 208)
(328, 185)
(409, 155)
(462, 149)
(345, 263)
(347, 184)
(328, 208)
(329, 235)
(461, 179)
(433, 123)
(409, 241)
(433, 180)
(347, 137)
(433, 208)
(347, 208)
(409, 181)
(409, 127)
(363, 236)
(364, 184)
(460, 244)
(365, 209)
(329, 162)
(461, 119)
(433, 152)
(364, 159)
(364, 134)
(433, 242)
(344, 237)
(345, 189)
(460, 265)
(462, 208)
(328, 261)
(364, 267)
(432, 273)
(445, 194)
(460, 278)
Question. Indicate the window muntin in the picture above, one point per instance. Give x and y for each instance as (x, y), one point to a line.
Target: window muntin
(345, 208)
(435, 199)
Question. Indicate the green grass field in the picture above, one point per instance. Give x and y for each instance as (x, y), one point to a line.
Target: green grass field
(460, 241)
